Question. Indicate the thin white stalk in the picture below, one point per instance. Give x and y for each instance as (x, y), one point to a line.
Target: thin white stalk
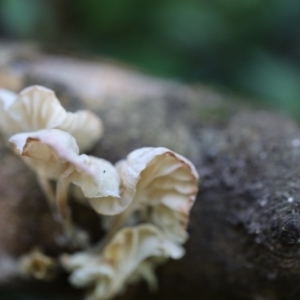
(62, 205)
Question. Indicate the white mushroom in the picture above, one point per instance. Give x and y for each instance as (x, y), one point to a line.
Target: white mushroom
(53, 154)
(37, 108)
(110, 270)
(162, 186)
(37, 264)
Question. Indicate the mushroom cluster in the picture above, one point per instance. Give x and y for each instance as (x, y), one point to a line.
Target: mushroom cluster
(146, 197)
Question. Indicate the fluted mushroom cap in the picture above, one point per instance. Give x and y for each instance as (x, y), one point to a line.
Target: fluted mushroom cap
(165, 182)
(110, 270)
(54, 154)
(100, 185)
(51, 153)
(37, 108)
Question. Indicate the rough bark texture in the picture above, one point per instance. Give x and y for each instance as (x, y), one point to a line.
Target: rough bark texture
(245, 225)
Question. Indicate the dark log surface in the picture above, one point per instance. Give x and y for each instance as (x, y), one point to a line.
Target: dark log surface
(245, 225)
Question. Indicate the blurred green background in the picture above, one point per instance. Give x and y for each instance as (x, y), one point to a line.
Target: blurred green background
(248, 46)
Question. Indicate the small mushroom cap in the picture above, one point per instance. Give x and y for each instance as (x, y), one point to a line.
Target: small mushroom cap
(120, 258)
(85, 126)
(53, 154)
(136, 243)
(37, 264)
(163, 181)
(37, 108)
(100, 185)
(49, 152)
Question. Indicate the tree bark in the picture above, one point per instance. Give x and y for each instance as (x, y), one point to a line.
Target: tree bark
(245, 225)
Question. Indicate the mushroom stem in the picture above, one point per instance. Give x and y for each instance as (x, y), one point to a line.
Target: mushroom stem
(48, 192)
(61, 197)
(63, 207)
(117, 223)
(120, 219)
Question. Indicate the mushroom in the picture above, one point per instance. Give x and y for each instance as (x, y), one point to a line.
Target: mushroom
(53, 154)
(37, 108)
(110, 270)
(161, 186)
(37, 264)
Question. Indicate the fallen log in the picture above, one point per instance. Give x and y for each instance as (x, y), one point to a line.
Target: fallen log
(245, 225)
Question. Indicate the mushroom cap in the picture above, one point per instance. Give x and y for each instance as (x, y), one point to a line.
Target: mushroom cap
(54, 154)
(120, 258)
(37, 264)
(165, 182)
(51, 153)
(37, 108)
(100, 185)
(85, 126)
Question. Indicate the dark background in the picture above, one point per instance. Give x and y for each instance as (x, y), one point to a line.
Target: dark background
(250, 47)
